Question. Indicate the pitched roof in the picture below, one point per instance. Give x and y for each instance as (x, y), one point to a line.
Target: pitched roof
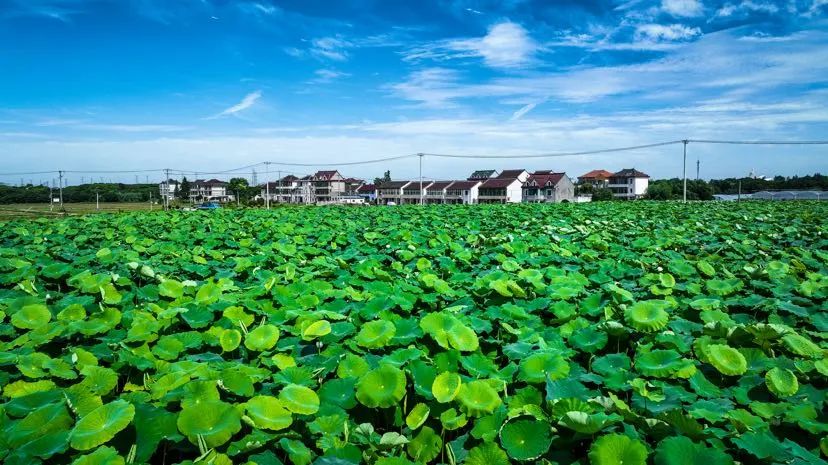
(510, 174)
(209, 182)
(392, 184)
(464, 184)
(325, 175)
(596, 174)
(439, 185)
(630, 173)
(542, 178)
(498, 183)
(169, 181)
(481, 174)
(352, 180)
(366, 188)
(289, 178)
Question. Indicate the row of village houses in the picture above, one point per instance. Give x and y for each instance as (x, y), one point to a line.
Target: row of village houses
(483, 186)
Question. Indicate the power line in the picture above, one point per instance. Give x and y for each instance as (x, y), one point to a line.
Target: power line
(352, 163)
(760, 142)
(561, 154)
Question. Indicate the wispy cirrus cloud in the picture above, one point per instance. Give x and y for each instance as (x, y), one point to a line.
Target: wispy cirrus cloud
(665, 32)
(248, 101)
(325, 76)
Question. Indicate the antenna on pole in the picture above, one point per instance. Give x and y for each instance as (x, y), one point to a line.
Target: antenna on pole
(685, 169)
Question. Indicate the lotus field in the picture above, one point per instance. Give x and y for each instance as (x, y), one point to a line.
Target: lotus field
(606, 334)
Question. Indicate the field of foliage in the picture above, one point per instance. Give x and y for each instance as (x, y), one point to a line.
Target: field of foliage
(606, 334)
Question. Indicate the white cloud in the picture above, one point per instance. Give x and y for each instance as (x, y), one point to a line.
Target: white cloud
(747, 6)
(324, 76)
(662, 32)
(248, 101)
(505, 45)
(333, 48)
(132, 127)
(523, 111)
(683, 8)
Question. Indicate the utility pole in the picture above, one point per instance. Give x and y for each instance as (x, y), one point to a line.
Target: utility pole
(739, 195)
(51, 199)
(97, 201)
(697, 169)
(685, 169)
(421, 177)
(60, 185)
(166, 189)
(267, 185)
(279, 186)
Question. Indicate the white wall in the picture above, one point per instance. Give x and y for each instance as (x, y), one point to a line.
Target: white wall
(473, 193)
(640, 186)
(514, 192)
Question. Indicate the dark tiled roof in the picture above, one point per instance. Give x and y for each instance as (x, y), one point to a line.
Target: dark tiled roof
(325, 175)
(630, 173)
(170, 181)
(596, 174)
(392, 184)
(352, 180)
(366, 188)
(439, 185)
(464, 184)
(506, 174)
(542, 178)
(210, 182)
(481, 174)
(289, 178)
(497, 183)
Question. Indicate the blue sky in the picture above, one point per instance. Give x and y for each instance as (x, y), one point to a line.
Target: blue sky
(213, 84)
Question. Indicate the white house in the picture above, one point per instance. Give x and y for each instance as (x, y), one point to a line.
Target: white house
(210, 190)
(464, 192)
(629, 184)
(168, 189)
(436, 192)
(391, 191)
(328, 185)
(415, 191)
(548, 186)
(507, 187)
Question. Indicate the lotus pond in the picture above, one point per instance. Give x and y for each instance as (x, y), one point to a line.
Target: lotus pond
(605, 334)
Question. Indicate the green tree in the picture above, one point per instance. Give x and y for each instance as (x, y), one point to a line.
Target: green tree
(602, 194)
(184, 189)
(240, 188)
(386, 177)
(659, 190)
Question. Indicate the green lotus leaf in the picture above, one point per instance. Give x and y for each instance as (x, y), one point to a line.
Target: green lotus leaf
(316, 330)
(706, 268)
(679, 450)
(382, 387)
(452, 421)
(801, 345)
(376, 334)
(589, 339)
(43, 432)
(822, 366)
(262, 338)
(426, 446)
(487, 453)
(299, 399)
(99, 380)
(449, 332)
(297, 451)
(352, 366)
(171, 288)
(101, 425)
(24, 388)
(537, 367)
(617, 449)
(446, 386)
(31, 316)
(647, 315)
(781, 382)
(417, 416)
(215, 421)
(666, 280)
(102, 456)
(525, 439)
(726, 359)
(658, 363)
(267, 412)
(477, 398)
(230, 340)
(587, 423)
